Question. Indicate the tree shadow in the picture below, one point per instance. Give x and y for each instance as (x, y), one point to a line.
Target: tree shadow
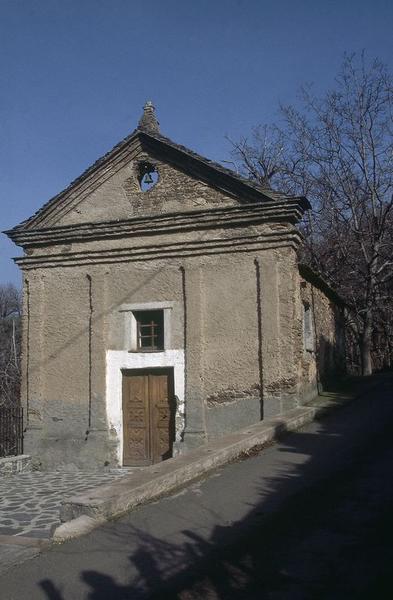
(307, 536)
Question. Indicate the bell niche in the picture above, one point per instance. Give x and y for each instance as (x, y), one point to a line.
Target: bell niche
(147, 176)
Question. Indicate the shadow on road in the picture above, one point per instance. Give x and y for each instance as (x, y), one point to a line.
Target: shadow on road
(318, 531)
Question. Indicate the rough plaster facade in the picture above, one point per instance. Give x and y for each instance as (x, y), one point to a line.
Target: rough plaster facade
(215, 253)
(325, 359)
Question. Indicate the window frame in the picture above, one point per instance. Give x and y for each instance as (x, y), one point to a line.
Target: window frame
(308, 328)
(131, 329)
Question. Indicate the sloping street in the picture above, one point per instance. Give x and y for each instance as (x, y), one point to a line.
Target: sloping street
(309, 517)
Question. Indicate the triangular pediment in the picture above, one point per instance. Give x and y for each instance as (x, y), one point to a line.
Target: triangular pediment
(110, 189)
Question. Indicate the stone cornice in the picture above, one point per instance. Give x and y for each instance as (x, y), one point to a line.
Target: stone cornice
(176, 249)
(285, 212)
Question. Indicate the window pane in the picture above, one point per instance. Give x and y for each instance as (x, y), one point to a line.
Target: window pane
(150, 328)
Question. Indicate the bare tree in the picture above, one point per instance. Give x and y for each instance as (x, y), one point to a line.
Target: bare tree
(263, 159)
(10, 301)
(338, 150)
(10, 310)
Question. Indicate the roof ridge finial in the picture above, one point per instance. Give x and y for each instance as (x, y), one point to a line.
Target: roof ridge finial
(148, 121)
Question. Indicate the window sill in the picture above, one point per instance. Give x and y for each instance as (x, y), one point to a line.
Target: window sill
(146, 351)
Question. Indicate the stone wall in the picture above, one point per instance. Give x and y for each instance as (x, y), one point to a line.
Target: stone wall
(12, 465)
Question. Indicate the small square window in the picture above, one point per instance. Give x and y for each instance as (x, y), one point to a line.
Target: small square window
(147, 326)
(150, 330)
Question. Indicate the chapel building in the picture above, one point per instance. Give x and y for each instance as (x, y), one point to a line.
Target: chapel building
(164, 306)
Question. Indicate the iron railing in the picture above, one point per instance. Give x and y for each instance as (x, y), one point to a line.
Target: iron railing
(11, 431)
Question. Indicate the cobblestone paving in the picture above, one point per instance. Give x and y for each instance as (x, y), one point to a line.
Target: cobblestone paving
(30, 502)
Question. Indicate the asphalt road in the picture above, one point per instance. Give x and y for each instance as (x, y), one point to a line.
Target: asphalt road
(308, 518)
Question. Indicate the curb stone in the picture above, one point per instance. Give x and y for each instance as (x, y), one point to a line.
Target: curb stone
(75, 528)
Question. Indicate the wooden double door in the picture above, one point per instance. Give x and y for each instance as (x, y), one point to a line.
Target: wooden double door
(148, 416)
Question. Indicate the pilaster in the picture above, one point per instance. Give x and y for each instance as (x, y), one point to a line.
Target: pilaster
(195, 417)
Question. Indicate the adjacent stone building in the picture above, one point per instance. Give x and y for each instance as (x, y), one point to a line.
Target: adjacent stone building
(163, 306)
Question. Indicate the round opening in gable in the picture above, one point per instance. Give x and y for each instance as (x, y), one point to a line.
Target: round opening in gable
(147, 177)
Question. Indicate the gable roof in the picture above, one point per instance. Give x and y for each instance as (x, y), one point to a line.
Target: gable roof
(148, 134)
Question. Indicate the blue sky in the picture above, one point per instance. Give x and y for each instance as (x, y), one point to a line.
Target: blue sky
(76, 73)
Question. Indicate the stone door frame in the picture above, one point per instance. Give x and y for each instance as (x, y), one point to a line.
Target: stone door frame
(119, 360)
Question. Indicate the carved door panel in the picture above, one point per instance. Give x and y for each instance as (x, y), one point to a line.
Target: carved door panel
(161, 398)
(136, 445)
(148, 416)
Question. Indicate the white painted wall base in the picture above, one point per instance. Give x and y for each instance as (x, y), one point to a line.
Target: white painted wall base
(116, 360)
